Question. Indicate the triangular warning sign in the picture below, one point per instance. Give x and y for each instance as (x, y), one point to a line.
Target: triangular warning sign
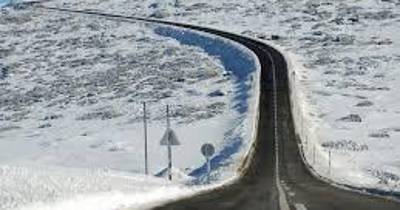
(169, 136)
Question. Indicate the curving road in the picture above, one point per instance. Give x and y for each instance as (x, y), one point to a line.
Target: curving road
(276, 158)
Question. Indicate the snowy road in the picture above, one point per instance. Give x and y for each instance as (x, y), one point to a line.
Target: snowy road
(276, 138)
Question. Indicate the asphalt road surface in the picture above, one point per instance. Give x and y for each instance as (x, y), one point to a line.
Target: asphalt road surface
(276, 153)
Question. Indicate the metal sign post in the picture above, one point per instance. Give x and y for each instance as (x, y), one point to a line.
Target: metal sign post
(169, 139)
(169, 147)
(146, 167)
(208, 151)
(208, 169)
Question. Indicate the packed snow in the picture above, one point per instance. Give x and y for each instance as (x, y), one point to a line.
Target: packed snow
(345, 56)
(71, 109)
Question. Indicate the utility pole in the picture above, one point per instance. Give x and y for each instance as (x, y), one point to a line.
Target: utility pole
(146, 166)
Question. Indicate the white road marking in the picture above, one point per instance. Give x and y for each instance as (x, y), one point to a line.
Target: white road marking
(283, 202)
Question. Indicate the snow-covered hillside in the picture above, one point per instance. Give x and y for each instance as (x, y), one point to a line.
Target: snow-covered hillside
(71, 106)
(346, 54)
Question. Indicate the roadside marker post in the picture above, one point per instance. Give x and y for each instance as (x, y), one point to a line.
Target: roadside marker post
(305, 143)
(330, 155)
(208, 151)
(314, 154)
(169, 139)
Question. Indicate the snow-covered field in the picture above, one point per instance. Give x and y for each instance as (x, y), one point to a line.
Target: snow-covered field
(346, 55)
(71, 113)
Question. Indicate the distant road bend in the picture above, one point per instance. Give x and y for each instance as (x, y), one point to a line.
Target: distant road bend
(276, 158)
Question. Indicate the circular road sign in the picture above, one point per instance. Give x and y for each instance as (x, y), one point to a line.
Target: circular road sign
(207, 150)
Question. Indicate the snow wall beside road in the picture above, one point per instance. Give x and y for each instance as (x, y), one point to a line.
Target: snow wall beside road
(244, 66)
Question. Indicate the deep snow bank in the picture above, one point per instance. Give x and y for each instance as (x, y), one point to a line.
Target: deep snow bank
(244, 66)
